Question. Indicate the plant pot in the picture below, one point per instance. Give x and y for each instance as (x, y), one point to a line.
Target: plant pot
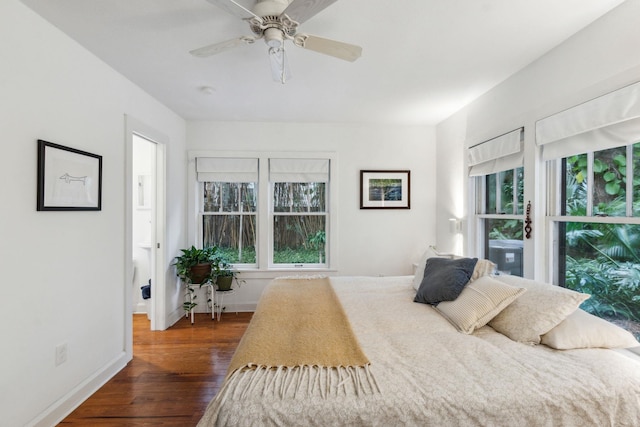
(224, 282)
(199, 273)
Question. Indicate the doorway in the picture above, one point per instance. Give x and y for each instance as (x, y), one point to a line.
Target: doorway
(145, 227)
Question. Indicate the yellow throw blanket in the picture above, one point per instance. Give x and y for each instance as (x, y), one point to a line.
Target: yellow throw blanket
(300, 341)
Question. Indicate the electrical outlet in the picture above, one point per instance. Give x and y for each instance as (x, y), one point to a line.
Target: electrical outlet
(61, 354)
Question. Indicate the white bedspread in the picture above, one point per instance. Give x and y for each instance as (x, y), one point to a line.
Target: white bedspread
(431, 375)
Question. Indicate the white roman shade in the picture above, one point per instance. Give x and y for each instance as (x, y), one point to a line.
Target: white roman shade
(605, 122)
(299, 170)
(224, 169)
(498, 154)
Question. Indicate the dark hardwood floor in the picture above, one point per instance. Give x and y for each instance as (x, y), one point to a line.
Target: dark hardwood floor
(172, 377)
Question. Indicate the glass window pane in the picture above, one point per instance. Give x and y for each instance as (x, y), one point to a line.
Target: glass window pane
(576, 185)
(603, 260)
(234, 235)
(226, 197)
(299, 197)
(316, 196)
(491, 194)
(299, 239)
(230, 197)
(212, 199)
(505, 180)
(609, 182)
(248, 197)
(282, 197)
(504, 244)
(520, 190)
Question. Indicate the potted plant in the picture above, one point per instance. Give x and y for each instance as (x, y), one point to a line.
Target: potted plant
(194, 266)
(223, 274)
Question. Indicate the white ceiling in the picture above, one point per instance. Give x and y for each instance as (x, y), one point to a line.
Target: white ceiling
(422, 59)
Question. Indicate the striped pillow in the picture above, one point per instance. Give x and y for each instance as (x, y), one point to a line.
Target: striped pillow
(479, 302)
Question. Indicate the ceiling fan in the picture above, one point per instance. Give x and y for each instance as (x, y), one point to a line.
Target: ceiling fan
(277, 21)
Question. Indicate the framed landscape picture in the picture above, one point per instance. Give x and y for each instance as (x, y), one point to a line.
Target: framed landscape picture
(381, 189)
(68, 179)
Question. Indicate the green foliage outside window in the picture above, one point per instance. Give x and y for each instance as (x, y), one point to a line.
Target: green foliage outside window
(604, 259)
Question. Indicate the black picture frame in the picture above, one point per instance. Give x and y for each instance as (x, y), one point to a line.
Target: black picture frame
(385, 189)
(68, 179)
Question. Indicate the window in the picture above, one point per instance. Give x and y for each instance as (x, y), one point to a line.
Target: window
(229, 219)
(592, 152)
(278, 219)
(499, 187)
(499, 208)
(599, 232)
(228, 206)
(299, 222)
(299, 211)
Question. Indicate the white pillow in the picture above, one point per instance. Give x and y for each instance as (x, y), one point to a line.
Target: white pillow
(584, 330)
(484, 267)
(537, 311)
(480, 301)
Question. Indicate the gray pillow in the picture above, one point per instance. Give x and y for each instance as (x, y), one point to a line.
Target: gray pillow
(444, 279)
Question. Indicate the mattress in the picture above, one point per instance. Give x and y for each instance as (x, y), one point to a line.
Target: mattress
(428, 373)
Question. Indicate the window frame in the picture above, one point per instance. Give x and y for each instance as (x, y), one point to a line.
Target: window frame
(556, 217)
(264, 225)
(240, 213)
(272, 216)
(481, 199)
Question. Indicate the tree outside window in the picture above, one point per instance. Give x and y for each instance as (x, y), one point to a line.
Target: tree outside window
(299, 223)
(601, 256)
(229, 220)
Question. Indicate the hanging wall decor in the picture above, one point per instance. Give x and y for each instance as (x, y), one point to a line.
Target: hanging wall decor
(68, 179)
(527, 221)
(385, 189)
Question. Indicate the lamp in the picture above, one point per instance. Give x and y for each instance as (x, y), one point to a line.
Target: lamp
(273, 37)
(455, 225)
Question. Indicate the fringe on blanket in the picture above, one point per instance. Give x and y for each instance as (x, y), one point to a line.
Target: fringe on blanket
(301, 381)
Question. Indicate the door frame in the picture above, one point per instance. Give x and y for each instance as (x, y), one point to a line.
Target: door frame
(158, 287)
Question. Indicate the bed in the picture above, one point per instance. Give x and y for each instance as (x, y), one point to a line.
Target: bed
(421, 368)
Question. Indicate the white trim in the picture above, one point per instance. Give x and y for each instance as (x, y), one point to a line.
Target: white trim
(61, 408)
(264, 227)
(159, 319)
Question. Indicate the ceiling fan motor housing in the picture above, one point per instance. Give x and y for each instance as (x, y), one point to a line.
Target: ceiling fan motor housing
(274, 26)
(270, 7)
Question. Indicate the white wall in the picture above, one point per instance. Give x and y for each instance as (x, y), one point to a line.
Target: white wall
(64, 272)
(370, 242)
(599, 59)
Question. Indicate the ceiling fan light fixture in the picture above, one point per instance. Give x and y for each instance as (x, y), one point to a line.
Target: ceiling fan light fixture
(273, 37)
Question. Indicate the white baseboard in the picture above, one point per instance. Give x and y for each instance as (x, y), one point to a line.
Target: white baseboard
(140, 308)
(174, 316)
(66, 404)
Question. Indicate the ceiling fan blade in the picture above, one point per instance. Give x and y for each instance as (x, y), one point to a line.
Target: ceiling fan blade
(346, 51)
(301, 10)
(279, 65)
(216, 48)
(235, 8)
